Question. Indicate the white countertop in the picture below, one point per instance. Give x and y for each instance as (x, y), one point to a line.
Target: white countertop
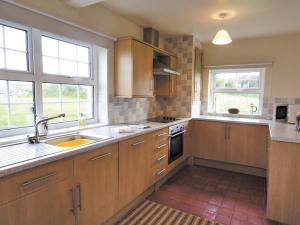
(19, 157)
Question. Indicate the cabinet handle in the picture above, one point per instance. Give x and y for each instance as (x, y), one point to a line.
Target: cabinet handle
(39, 179)
(137, 143)
(101, 157)
(161, 134)
(79, 205)
(161, 158)
(161, 146)
(228, 133)
(73, 209)
(160, 172)
(267, 143)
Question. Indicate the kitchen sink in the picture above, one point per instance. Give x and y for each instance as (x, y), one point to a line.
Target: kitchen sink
(75, 140)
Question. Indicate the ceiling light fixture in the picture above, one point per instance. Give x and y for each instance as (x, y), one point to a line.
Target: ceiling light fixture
(222, 37)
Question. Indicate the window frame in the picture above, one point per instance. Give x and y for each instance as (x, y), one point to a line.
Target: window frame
(37, 77)
(213, 90)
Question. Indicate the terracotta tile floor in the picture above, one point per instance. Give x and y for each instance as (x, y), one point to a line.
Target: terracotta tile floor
(222, 196)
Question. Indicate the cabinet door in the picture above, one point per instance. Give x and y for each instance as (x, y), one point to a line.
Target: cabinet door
(97, 189)
(173, 79)
(209, 140)
(247, 145)
(134, 167)
(142, 69)
(49, 206)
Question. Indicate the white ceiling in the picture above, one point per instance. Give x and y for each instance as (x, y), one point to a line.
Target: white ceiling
(250, 18)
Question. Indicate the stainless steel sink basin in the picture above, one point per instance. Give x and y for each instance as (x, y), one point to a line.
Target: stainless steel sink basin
(75, 140)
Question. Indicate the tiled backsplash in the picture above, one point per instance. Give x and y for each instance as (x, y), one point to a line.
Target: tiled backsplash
(267, 110)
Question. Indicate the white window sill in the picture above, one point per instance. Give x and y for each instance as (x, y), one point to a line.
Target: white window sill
(23, 138)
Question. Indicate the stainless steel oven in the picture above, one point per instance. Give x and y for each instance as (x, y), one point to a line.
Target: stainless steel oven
(176, 136)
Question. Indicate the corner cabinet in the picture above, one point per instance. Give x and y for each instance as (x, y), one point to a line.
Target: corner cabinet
(133, 69)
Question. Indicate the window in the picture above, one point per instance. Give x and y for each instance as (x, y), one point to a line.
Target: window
(237, 88)
(63, 58)
(13, 48)
(65, 83)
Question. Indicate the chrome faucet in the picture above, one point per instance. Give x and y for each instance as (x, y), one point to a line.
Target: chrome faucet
(37, 137)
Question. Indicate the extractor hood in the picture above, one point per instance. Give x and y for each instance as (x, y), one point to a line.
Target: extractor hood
(161, 69)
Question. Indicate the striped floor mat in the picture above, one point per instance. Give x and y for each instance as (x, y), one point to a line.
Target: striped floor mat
(156, 214)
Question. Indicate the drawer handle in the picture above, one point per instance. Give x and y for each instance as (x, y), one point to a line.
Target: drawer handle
(161, 172)
(79, 205)
(73, 210)
(39, 179)
(161, 158)
(137, 143)
(101, 157)
(161, 134)
(161, 146)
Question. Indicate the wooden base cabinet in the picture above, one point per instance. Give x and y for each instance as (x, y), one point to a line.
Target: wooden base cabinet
(283, 199)
(228, 142)
(96, 174)
(135, 174)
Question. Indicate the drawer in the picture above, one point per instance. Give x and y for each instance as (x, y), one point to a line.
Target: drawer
(138, 142)
(160, 146)
(160, 156)
(160, 135)
(20, 184)
(160, 170)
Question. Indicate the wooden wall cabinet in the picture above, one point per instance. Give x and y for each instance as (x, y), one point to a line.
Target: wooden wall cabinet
(166, 86)
(283, 196)
(234, 143)
(133, 69)
(96, 175)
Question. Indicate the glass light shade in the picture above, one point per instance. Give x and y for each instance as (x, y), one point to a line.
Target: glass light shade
(222, 38)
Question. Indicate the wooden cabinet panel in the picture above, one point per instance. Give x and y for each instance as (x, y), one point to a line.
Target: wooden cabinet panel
(97, 176)
(17, 185)
(283, 200)
(49, 206)
(142, 69)
(133, 68)
(247, 145)
(209, 140)
(134, 167)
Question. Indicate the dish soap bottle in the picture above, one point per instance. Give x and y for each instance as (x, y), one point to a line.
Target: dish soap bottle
(82, 121)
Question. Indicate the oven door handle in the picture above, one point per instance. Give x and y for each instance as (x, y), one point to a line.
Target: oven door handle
(171, 136)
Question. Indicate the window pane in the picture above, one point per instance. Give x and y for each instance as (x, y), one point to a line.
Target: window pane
(237, 80)
(3, 116)
(52, 109)
(20, 92)
(50, 65)
(82, 54)
(49, 47)
(71, 111)
(67, 68)
(87, 109)
(51, 92)
(1, 36)
(15, 39)
(2, 65)
(21, 115)
(3, 92)
(69, 93)
(86, 93)
(16, 60)
(83, 70)
(67, 50)
(224, 101)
